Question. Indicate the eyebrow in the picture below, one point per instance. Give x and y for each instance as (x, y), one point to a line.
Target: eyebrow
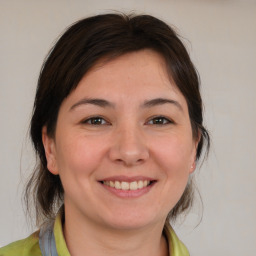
(97, 102)
(161, 101)
(104, 103)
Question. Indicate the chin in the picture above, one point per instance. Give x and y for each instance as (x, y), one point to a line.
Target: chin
(135, 220)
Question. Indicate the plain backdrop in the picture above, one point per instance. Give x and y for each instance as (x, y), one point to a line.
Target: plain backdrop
(221, 38)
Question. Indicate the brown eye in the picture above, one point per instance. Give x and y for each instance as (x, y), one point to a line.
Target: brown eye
(95, 121)
(159, 120)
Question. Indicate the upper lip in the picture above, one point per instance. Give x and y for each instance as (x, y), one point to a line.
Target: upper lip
(127, 178)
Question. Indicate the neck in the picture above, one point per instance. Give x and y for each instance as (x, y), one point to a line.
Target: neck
(88, 238)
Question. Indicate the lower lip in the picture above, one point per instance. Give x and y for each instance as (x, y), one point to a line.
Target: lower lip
(129, 193)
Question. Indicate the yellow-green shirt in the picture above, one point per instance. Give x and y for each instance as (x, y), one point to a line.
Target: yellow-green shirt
(30, 245)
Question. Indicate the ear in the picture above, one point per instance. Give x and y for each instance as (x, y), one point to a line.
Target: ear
(50, 152)
(193, 165)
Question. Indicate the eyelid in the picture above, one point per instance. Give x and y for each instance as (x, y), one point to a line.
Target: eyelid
(169, 121)
(86, 120)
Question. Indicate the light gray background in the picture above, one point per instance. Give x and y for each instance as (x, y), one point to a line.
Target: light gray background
(222, 43)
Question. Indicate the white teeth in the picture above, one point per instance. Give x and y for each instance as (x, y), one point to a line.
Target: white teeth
(117, 185)
(124, 185)
(106, 183)
(140, 184)
(112, 184)
(133, 185)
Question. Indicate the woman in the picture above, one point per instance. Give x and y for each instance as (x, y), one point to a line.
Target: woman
(118, 129)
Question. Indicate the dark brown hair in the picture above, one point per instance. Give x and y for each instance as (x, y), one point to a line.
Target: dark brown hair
(78, 49)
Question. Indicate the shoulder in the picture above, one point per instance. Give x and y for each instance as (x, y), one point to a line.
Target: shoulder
(25, 247)
(176, 247)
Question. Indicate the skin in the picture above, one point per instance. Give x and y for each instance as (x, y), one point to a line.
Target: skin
(134, 136)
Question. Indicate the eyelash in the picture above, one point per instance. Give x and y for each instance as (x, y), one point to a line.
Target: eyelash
(157, 120)
(160, 119)
(90, 120)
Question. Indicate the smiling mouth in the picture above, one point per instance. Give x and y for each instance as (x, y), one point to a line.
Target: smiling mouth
(124, 185)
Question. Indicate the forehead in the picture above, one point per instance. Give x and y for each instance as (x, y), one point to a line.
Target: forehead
(133, 76)
(135, 67)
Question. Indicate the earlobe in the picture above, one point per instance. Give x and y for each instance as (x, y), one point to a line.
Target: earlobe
(50, 152)
(193, 165)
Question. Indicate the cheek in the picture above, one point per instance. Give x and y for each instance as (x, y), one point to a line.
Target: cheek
(174, 156)
(175, 151)
(78, 157)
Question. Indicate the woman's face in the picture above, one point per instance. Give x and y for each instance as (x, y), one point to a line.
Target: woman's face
(123, 145)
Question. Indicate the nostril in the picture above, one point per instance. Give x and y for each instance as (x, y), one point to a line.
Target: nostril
(128, 152)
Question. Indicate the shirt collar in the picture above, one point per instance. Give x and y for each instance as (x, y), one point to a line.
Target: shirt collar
(176, 247)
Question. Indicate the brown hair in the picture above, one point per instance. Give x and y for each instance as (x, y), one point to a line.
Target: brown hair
(78, 49)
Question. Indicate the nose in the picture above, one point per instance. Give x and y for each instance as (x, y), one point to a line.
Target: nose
(129, 147)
